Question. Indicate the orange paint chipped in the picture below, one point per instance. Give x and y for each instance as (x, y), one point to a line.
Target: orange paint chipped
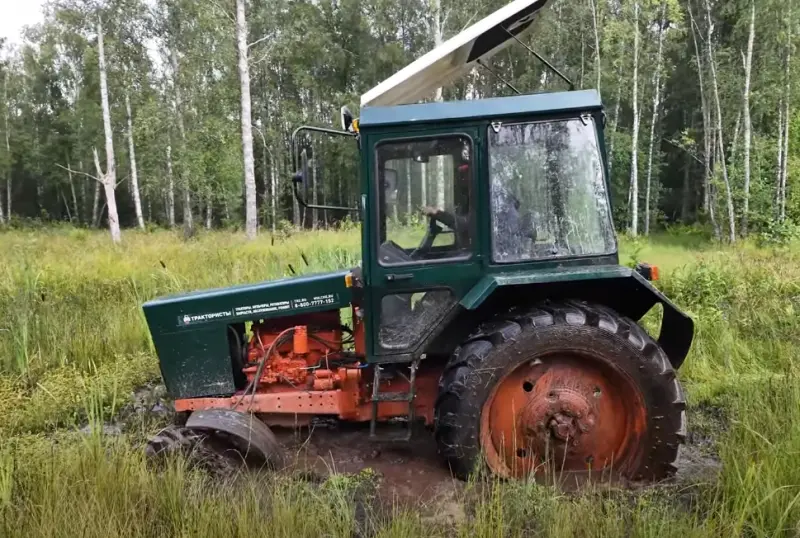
(565, 410)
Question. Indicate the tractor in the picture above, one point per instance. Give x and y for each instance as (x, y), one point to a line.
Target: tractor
(500, 318)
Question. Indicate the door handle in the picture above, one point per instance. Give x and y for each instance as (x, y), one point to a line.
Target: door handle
(396, 278)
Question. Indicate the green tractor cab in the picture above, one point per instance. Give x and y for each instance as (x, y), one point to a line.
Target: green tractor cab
(495, 310)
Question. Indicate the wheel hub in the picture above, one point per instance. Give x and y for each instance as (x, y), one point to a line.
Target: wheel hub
(570, 412)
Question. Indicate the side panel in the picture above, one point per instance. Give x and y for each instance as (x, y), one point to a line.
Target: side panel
(191, 332)
(619, 288)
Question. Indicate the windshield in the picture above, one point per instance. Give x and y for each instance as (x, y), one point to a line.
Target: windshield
(548, 191)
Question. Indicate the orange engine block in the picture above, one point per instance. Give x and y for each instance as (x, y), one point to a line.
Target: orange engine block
(300, 358)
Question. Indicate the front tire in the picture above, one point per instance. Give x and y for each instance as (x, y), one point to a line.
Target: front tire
(568, 388)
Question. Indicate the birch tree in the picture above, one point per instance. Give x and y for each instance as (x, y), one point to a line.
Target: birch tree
(108, 178)
(787, 100)
(178, 105)
(748, 134)
(656, 112)
(170, 189)
(137, 201)
(251, 214)
(7, 133)
(437, 28)
(634, 189)
(597, 63)
(720, 154)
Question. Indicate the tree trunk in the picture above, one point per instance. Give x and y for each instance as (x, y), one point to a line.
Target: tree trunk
(707, 131)
(209, 208)
(314, 199)
(748, 64)
(438, 32)
(634, 189)
(686, 195)
(597, 62)
(170, 189)
(273, 196)
(408, 173)
(72, 193)
(96, 205)
(424, 185)
(8, 150)
(656, 111)
(720, 139)
(137, 201)
(787, 116)
(109, 179)
(251, 215)
(614, 125)
(188, 217)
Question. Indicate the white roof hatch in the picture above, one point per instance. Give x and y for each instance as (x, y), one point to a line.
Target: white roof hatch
(456, 56)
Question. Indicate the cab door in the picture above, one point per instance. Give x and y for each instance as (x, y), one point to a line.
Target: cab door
(423, 237)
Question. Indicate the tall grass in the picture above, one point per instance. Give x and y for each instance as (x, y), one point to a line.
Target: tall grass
(73, 345)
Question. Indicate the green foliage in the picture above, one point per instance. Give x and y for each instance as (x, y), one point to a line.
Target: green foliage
(778, 233)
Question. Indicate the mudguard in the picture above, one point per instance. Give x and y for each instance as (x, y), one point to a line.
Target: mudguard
(617, 287)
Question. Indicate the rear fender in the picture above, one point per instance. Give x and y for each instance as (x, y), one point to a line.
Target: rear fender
(619, 288)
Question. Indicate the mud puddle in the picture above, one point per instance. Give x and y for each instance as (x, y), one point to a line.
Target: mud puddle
(408, 471)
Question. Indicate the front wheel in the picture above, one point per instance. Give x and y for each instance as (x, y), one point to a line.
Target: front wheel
(570, 388)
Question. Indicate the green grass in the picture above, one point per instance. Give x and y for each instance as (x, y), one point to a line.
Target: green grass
(73, 346)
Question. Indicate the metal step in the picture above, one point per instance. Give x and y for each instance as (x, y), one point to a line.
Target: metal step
(378, 397)
(392, 397)
(393, 437)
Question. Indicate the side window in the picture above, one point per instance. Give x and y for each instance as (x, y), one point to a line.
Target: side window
(405, 317)
(425, 199)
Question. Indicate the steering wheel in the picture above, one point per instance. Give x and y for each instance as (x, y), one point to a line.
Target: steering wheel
(430, 236)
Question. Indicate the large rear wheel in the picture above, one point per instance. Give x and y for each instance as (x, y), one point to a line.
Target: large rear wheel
(566, 390)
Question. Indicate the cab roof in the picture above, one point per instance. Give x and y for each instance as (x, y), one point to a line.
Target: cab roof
(497, 107)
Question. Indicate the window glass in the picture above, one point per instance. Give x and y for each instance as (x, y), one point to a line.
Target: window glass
(548, 191)
(407, 317)
(425, 199)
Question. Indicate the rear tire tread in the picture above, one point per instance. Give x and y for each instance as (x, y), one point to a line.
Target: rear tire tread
(457, 444)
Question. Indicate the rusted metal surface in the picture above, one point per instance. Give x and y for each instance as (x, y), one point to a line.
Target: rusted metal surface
(243, 432)
(315, 338)
(350, 400)
(562, 413)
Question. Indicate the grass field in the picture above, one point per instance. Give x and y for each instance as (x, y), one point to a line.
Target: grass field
(73, 348)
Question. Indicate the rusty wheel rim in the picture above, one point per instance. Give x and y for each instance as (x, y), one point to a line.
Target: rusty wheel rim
(563, 413)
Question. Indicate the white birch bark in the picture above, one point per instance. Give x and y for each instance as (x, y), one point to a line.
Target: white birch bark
(72, 193)
(137, 201)
(748, 65)
(273, 187)
(188, 217)
(787, 119)
(597, 62)
(614, 124)
(8, 150)
(424, 185)
(170, 189)
(438, 32)
(251, 215)
(109, 178)
(314, 199)
(778, 182)
(634, 189)
(209, 208)
(707, 130)
(656, 113)
(720, 140)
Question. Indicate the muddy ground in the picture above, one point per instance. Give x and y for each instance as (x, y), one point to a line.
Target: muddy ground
(413, 473)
